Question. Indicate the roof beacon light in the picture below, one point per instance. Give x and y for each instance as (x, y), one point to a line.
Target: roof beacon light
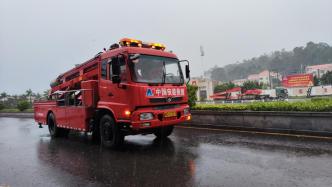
(157, 46)
(128, 42)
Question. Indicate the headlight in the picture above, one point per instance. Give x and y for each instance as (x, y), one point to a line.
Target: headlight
(186, 111)
(146, 116)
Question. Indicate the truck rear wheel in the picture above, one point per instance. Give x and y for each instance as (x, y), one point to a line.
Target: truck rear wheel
(110, 135)
(164, 132)
(52, 127)
(54, 130)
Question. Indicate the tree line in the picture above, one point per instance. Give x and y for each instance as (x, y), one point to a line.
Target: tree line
(20, 101)
(284, 62)
(326, 79)
(248, 85)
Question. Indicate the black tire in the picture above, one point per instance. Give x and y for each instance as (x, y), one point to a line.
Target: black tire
(52, 126)
(110, 135)
(164, 132)
(54, 130)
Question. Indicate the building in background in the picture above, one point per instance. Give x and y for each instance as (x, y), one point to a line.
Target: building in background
(205, 87)
(264, 77)
(318, 70)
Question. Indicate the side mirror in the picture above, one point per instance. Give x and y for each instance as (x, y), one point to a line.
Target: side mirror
(187, 72)
(186, 69)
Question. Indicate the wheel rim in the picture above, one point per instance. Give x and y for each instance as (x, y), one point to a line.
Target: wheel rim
(107, 132)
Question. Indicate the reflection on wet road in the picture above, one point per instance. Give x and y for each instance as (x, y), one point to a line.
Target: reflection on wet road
(29, 157)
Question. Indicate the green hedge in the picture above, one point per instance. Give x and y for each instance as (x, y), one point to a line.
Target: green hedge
(23, 105)
(314, 105)
(192, 95)
(15, 110)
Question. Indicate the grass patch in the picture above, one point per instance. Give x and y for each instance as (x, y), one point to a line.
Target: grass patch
(15, 110)
(313, 105)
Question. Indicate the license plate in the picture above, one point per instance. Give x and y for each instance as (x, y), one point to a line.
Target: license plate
(169, 114)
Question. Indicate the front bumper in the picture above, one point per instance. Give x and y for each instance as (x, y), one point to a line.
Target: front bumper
(159, 119)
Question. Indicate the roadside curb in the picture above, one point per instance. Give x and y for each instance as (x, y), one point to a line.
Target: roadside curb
(256, 130)
(306, 123)
(16, 115)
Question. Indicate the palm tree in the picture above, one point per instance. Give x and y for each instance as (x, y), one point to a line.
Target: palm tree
(38, 96)
(3, 95)
(46, 93)
(29, 94)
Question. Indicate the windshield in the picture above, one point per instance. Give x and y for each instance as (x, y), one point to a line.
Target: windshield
(155, 69)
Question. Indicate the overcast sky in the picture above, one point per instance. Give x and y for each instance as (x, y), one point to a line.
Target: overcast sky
(40, 39)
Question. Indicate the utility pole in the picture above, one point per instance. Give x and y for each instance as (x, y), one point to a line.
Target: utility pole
(278, 80)
(270, 80)
(202, 56)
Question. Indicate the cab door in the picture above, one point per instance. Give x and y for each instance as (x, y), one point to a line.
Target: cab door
(114, 95)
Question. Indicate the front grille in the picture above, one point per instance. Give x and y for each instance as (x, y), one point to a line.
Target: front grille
(165, 107)
(157, 100)
(166, 99)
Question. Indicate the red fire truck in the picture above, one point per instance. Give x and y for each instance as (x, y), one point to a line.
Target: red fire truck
(131, 88)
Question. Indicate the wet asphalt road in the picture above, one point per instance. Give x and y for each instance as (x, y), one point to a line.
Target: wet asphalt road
(190, 157)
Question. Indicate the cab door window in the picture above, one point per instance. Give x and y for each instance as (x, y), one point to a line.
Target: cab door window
(110, 68)
(60, 99)
(122, 71)
(104, 69)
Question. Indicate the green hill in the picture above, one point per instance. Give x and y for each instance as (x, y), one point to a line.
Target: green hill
(284, 62)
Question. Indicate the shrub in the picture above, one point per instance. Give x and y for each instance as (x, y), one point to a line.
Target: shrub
(192, 98)
(2, 106)
(316, 105)
(23, 105)
(320, 99)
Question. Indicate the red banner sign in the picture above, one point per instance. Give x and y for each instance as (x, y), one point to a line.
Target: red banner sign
(298, 80)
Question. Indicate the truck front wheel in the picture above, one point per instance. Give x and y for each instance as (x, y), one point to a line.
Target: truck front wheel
(110, 135)
(164, 132)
